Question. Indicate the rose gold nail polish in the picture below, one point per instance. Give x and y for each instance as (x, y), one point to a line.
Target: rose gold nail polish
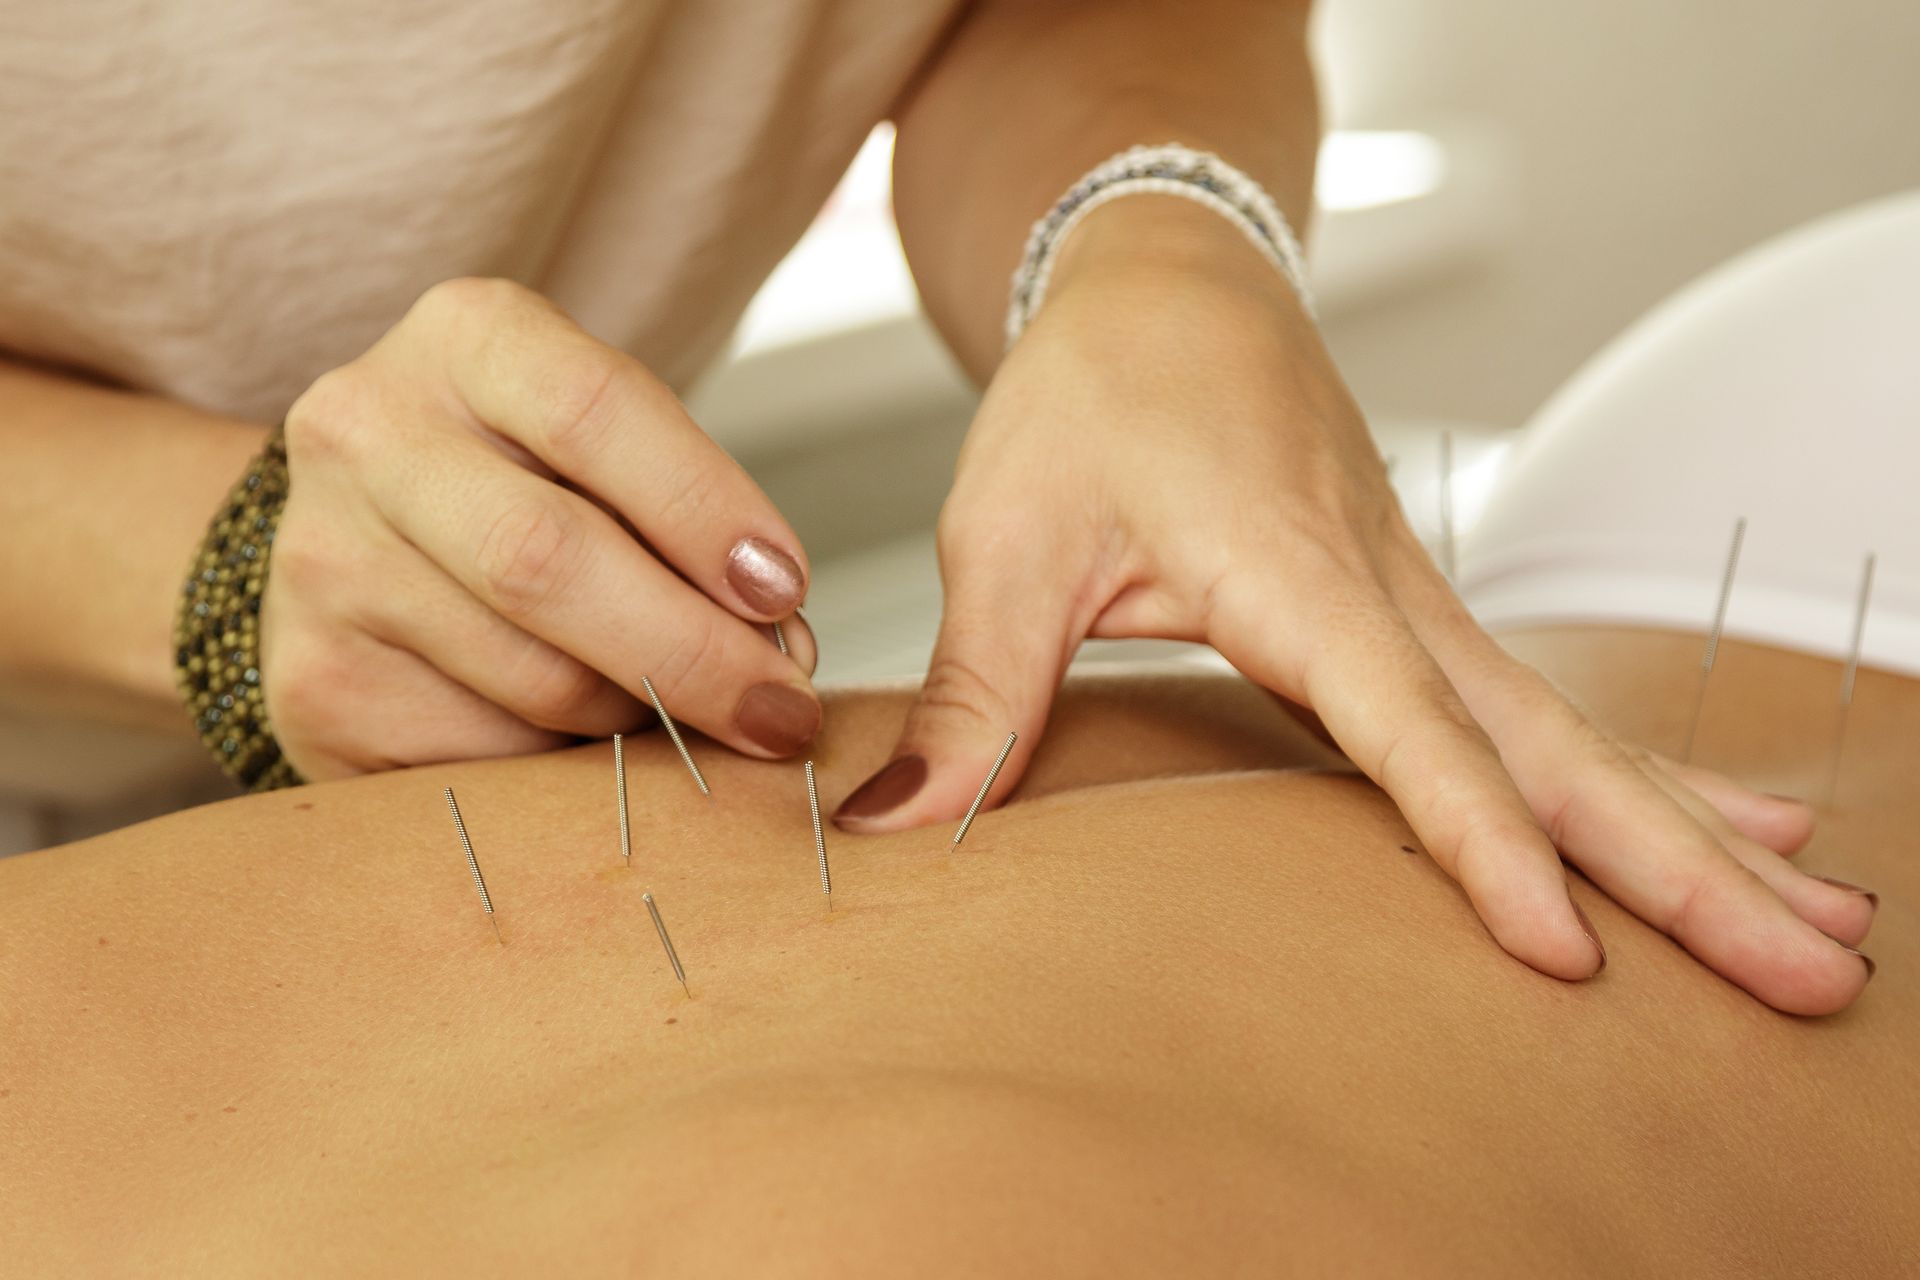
(767, 578)
(888, 789)
(778, 717)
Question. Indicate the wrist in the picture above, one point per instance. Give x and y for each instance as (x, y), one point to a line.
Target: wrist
(113, 491)
(1154, 241)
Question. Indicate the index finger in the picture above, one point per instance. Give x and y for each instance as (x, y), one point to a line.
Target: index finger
(1393, 711)
(601, 419)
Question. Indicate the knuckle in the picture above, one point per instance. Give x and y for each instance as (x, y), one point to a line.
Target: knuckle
(957, 527)
(303, 689)
(955, 687)
(465, 297)
(300, 562)
(696, 647)
(578, 403)
(331, 419)
(1632, 753)
(695, 491)
(560, 693)
(307, 560)
(527, 554)
(1688, 910)
(1323, 548)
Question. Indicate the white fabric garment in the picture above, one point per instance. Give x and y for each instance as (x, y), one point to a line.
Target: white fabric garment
(1783, 387)
(219, 201)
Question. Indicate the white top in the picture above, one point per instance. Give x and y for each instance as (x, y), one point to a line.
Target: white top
(1783, 387)
(221, 202)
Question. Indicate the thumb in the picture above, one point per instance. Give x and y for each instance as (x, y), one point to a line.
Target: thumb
(995, 668)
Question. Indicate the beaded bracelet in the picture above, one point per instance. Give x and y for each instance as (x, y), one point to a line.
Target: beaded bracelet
(1170, 170)
(216, 631)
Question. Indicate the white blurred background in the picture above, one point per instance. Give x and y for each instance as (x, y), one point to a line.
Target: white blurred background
(1509, 185)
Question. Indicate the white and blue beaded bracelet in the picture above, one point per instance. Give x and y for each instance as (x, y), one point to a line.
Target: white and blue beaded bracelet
(1171, 170)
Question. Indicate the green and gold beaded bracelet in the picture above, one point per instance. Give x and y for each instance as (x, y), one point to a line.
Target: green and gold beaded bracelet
(216, 632)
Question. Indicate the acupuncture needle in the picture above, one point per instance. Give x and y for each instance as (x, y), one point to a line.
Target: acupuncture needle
(1446, 504)
(473, 865)
(673, 731)
(780, 638)
(1847, 678)
(673, 957)
(620, 790)
(819, 840)
(1713, 637)
(984, 788)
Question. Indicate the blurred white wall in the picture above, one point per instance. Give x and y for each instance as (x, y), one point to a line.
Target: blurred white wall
(1648, 141)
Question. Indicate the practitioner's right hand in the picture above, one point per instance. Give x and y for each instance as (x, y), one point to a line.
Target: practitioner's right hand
(497, 525)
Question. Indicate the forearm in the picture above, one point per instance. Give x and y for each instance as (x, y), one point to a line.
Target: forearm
(1027, 96)
(103, 498)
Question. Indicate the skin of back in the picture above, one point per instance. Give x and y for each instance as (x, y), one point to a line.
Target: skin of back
(1192, 1004)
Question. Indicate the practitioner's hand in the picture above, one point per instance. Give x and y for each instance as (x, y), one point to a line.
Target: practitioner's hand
(1168, 451)
(497, 525)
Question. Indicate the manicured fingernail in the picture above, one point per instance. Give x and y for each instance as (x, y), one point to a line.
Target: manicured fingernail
(766, 577)
(778, 717)
(885, 791)
(1872, 897)
(1865, 959)
(1592, 937)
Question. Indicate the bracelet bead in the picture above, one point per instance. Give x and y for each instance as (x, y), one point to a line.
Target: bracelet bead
(1169, 169)
(216, 630)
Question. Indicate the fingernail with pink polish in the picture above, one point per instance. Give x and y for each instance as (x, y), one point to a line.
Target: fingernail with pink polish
(1865, 959)
(895, 784)
(1872, 897)
(1592, 936)
(778, 717)
(767, 578)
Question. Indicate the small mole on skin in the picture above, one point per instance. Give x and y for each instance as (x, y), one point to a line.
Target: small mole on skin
(671, 1021)
(229, 1110)
(103, 942)
(1407, 848)
(304, 805)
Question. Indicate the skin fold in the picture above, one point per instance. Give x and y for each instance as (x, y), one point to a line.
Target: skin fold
(1189, 1005)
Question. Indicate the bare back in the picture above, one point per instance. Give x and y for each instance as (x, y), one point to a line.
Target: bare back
(1215, 1023)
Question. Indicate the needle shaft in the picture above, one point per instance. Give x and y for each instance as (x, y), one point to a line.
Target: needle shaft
(984, 788)
(473, 865)
(819, 839)
(660, 927)
(1712, 652)
(673, 731)
(620, 791)
(1847, 678)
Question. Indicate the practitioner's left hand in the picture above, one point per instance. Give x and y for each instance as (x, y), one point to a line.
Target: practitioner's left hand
(1168, 451)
